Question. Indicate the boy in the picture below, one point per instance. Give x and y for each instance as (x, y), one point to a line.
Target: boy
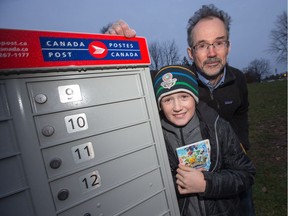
(186, 120)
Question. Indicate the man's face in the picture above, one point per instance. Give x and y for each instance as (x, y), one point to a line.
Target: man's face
(212, 60)
(178, 108)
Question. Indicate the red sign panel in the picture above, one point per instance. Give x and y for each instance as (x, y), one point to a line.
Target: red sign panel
(26, 49)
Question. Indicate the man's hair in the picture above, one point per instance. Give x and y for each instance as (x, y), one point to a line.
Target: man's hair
(205, 12)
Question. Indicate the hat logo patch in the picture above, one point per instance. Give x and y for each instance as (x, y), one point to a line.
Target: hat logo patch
(168, 81)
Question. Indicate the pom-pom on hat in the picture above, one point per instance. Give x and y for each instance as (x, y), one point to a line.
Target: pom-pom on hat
(172, 79)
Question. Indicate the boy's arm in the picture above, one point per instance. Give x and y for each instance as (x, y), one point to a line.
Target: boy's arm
(237, 170)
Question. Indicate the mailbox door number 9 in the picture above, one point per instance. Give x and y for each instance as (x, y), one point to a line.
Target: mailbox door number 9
(69, 93)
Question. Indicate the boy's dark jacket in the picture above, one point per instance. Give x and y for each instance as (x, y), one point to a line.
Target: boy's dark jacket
(231, 172)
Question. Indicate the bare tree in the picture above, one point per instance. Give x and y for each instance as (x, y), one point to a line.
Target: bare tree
(155, 55)
(278, 36)
(185, 61)
(258, 68)
(170, 54)
(163, 54)
(105, 28)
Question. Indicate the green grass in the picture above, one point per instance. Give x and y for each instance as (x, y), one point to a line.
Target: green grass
(268, 136)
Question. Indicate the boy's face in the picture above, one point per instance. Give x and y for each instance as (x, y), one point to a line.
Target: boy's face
(178, 108)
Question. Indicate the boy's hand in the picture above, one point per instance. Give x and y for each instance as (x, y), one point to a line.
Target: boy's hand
(121, 28)
(190, 180)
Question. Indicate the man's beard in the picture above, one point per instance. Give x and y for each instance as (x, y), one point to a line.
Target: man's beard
(208, 61)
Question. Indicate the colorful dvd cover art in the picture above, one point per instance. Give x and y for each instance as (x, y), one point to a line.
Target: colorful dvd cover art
(195, 155)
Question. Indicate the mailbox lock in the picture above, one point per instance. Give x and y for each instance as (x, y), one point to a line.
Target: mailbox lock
(40, 98)
(48, 131)
(55, 163)
(87, 214)
(63, 194)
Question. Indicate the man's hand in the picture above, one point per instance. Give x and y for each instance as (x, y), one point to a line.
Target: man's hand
(121, 28)
(190, 180)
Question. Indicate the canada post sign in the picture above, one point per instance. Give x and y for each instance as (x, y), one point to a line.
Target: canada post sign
(67, 49)
(26, 49)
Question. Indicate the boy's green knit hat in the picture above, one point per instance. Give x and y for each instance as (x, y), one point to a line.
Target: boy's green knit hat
(172, 79)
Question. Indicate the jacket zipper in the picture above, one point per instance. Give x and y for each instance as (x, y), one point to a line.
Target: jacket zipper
(201, 206)
(212, 99)
(211, 94)
(182, 137)
(185, 199)
(217, 144)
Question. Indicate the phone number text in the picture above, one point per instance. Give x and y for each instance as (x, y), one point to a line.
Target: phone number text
(14, 55)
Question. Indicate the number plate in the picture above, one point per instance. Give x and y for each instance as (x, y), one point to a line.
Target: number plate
(83, 152)
(90, 181)
(69, 93)
(75, 123)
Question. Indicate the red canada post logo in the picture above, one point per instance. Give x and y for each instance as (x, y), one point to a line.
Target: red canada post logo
(98, 49)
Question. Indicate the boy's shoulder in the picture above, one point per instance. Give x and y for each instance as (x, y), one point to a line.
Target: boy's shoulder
(206, 113)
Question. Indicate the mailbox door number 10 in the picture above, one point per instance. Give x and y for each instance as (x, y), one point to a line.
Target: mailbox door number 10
(75, 123)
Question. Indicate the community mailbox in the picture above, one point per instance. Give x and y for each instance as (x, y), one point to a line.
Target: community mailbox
(79, 127)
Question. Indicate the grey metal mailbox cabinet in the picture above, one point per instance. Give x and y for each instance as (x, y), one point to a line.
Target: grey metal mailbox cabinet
(79, 127)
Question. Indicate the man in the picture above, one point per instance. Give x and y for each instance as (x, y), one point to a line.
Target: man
(221, 86)
(224, 88)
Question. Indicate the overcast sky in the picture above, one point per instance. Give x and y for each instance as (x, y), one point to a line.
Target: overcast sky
(161, 20)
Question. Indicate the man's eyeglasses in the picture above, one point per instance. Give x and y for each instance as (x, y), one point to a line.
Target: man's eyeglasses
(217, 45)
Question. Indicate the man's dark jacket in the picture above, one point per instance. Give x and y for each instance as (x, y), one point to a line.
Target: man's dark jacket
(231, 172)
(230, 100)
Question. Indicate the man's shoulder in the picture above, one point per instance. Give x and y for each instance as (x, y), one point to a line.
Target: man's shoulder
(236, 74)
(205, 112)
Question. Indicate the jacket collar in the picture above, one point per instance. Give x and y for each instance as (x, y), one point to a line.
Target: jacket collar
(191, 125)
(228, 77)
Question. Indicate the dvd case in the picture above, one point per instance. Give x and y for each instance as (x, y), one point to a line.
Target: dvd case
(195, 155)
